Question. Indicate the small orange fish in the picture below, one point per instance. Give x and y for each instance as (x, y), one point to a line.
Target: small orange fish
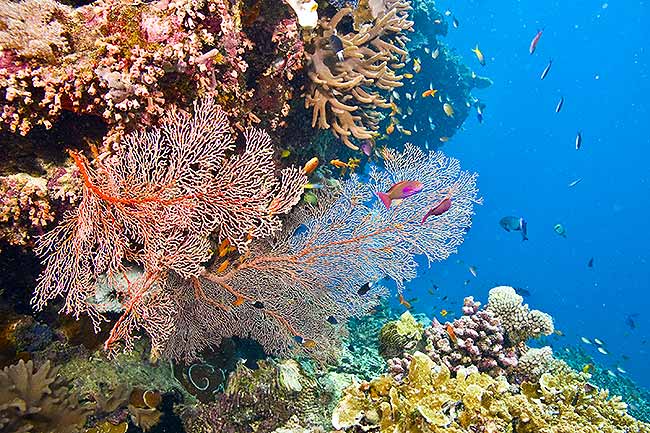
(223, 247)
(338, 163)
(405, 131)
(310, 166)
(451, 333)
(404, 301)
(309, 344)
(238, 301)
(390, 129)
(408, 75)
(444, 313)
(429, 92)
(223, 266)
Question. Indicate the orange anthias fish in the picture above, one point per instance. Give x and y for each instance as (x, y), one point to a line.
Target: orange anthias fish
(338, 163)
(451, 333)
(438, 209)
(222, 267)
(400, 191)
(310, 166)
(404, 301)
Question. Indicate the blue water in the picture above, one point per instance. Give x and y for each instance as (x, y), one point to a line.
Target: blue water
(526, 157)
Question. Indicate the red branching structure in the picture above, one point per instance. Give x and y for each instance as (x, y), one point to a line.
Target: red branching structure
(155, 202)
(304, 284)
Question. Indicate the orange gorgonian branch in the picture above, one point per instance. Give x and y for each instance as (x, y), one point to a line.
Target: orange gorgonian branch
(155, 202)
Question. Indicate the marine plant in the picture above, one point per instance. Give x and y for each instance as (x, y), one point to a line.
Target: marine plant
(430, 399)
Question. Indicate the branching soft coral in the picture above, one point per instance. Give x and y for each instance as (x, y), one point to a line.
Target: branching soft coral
(345, 95)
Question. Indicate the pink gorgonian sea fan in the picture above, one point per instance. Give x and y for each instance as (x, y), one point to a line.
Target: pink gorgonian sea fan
(296, 290)
(155, 202)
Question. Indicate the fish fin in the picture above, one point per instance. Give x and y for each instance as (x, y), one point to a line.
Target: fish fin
(524, 238)
(385, 198)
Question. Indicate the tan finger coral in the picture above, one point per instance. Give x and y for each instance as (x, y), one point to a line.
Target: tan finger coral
(347, 85)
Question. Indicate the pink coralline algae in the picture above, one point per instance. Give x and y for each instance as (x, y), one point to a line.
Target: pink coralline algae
(477, 338)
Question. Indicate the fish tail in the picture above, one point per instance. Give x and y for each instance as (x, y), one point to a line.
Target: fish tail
(524, 237)
(424, 218)
(385, 198)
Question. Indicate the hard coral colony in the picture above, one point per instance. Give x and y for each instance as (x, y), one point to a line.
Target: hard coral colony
(167, 176)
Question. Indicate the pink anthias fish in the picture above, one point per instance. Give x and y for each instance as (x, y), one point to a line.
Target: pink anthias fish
(400, 191)
(438, 209)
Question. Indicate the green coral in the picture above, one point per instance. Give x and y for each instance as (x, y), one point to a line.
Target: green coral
(398, 335)
(430, 400)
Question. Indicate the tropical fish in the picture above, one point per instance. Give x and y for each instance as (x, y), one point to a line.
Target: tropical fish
(444, 313)
(451, 333)
(559, 105)
(455, 23)
(590, 263)
(405, 131)
(522, 292)
(473, 271)
(417, 66)
(337, 46)
(438, 209)
(603, 351)
(308, 343)
(560, 230)
(479, 55)
(587, 368)
(332, 320)
(429, 92)
(558, 333)
(535, 41)
(629, 320)
(404, 301)
(479, 113)
(575, 182)
(620, 370)
(408, 75)
(338, 163)
(395, 95)
(444, 139)
(578, 140)
(598, 342)
(310, 198)
(448, 109)
(546, 69)
(238, 301)
(364, 289)
(310, 166)
(399, 191)
(512, 223)
(585, 340)
(223, 266)
(390, 128)
(367, 145)
(285, 153)
(435, 53)
(258, 304)
(313, 186)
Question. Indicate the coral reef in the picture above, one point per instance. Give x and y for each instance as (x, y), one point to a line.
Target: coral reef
(295, 291)
(347, 82)
(476, 338)
(37, 400)
(429, 399)
(397, 335)
(263, 400)
(519, 322)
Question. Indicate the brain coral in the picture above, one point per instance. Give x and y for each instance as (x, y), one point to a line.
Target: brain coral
(519, 322)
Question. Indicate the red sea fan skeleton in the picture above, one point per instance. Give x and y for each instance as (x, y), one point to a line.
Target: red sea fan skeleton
(155, 202)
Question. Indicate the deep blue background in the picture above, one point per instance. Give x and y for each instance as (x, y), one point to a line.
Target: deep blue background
(526, 157)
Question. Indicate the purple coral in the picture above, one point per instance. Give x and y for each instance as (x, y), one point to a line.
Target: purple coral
(476, 339)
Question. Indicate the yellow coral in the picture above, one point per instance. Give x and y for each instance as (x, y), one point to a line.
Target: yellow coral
(430, 400)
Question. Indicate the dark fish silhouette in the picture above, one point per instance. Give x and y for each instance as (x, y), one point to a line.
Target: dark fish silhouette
(337, 46)
(364, 289)
(591, 263)
(522, 292)
(559, 105)
(629, 320)
(258, 304)
(332, 320)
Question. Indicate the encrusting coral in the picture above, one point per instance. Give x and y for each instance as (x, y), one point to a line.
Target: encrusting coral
(429, 399)
(37, 400)
(347, 87)
(396, 335)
